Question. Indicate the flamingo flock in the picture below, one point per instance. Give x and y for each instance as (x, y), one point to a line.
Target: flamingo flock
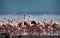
(29, 27)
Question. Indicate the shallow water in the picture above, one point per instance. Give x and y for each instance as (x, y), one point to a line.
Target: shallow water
(32, 17)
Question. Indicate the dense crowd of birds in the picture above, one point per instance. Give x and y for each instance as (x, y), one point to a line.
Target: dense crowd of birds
(28, 27)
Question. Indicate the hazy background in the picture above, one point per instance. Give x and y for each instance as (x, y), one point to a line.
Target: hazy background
(29, 7)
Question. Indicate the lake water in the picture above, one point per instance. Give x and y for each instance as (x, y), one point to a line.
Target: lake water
(33, 17)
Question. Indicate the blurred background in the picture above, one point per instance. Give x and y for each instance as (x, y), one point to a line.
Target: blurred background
(41, 9)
